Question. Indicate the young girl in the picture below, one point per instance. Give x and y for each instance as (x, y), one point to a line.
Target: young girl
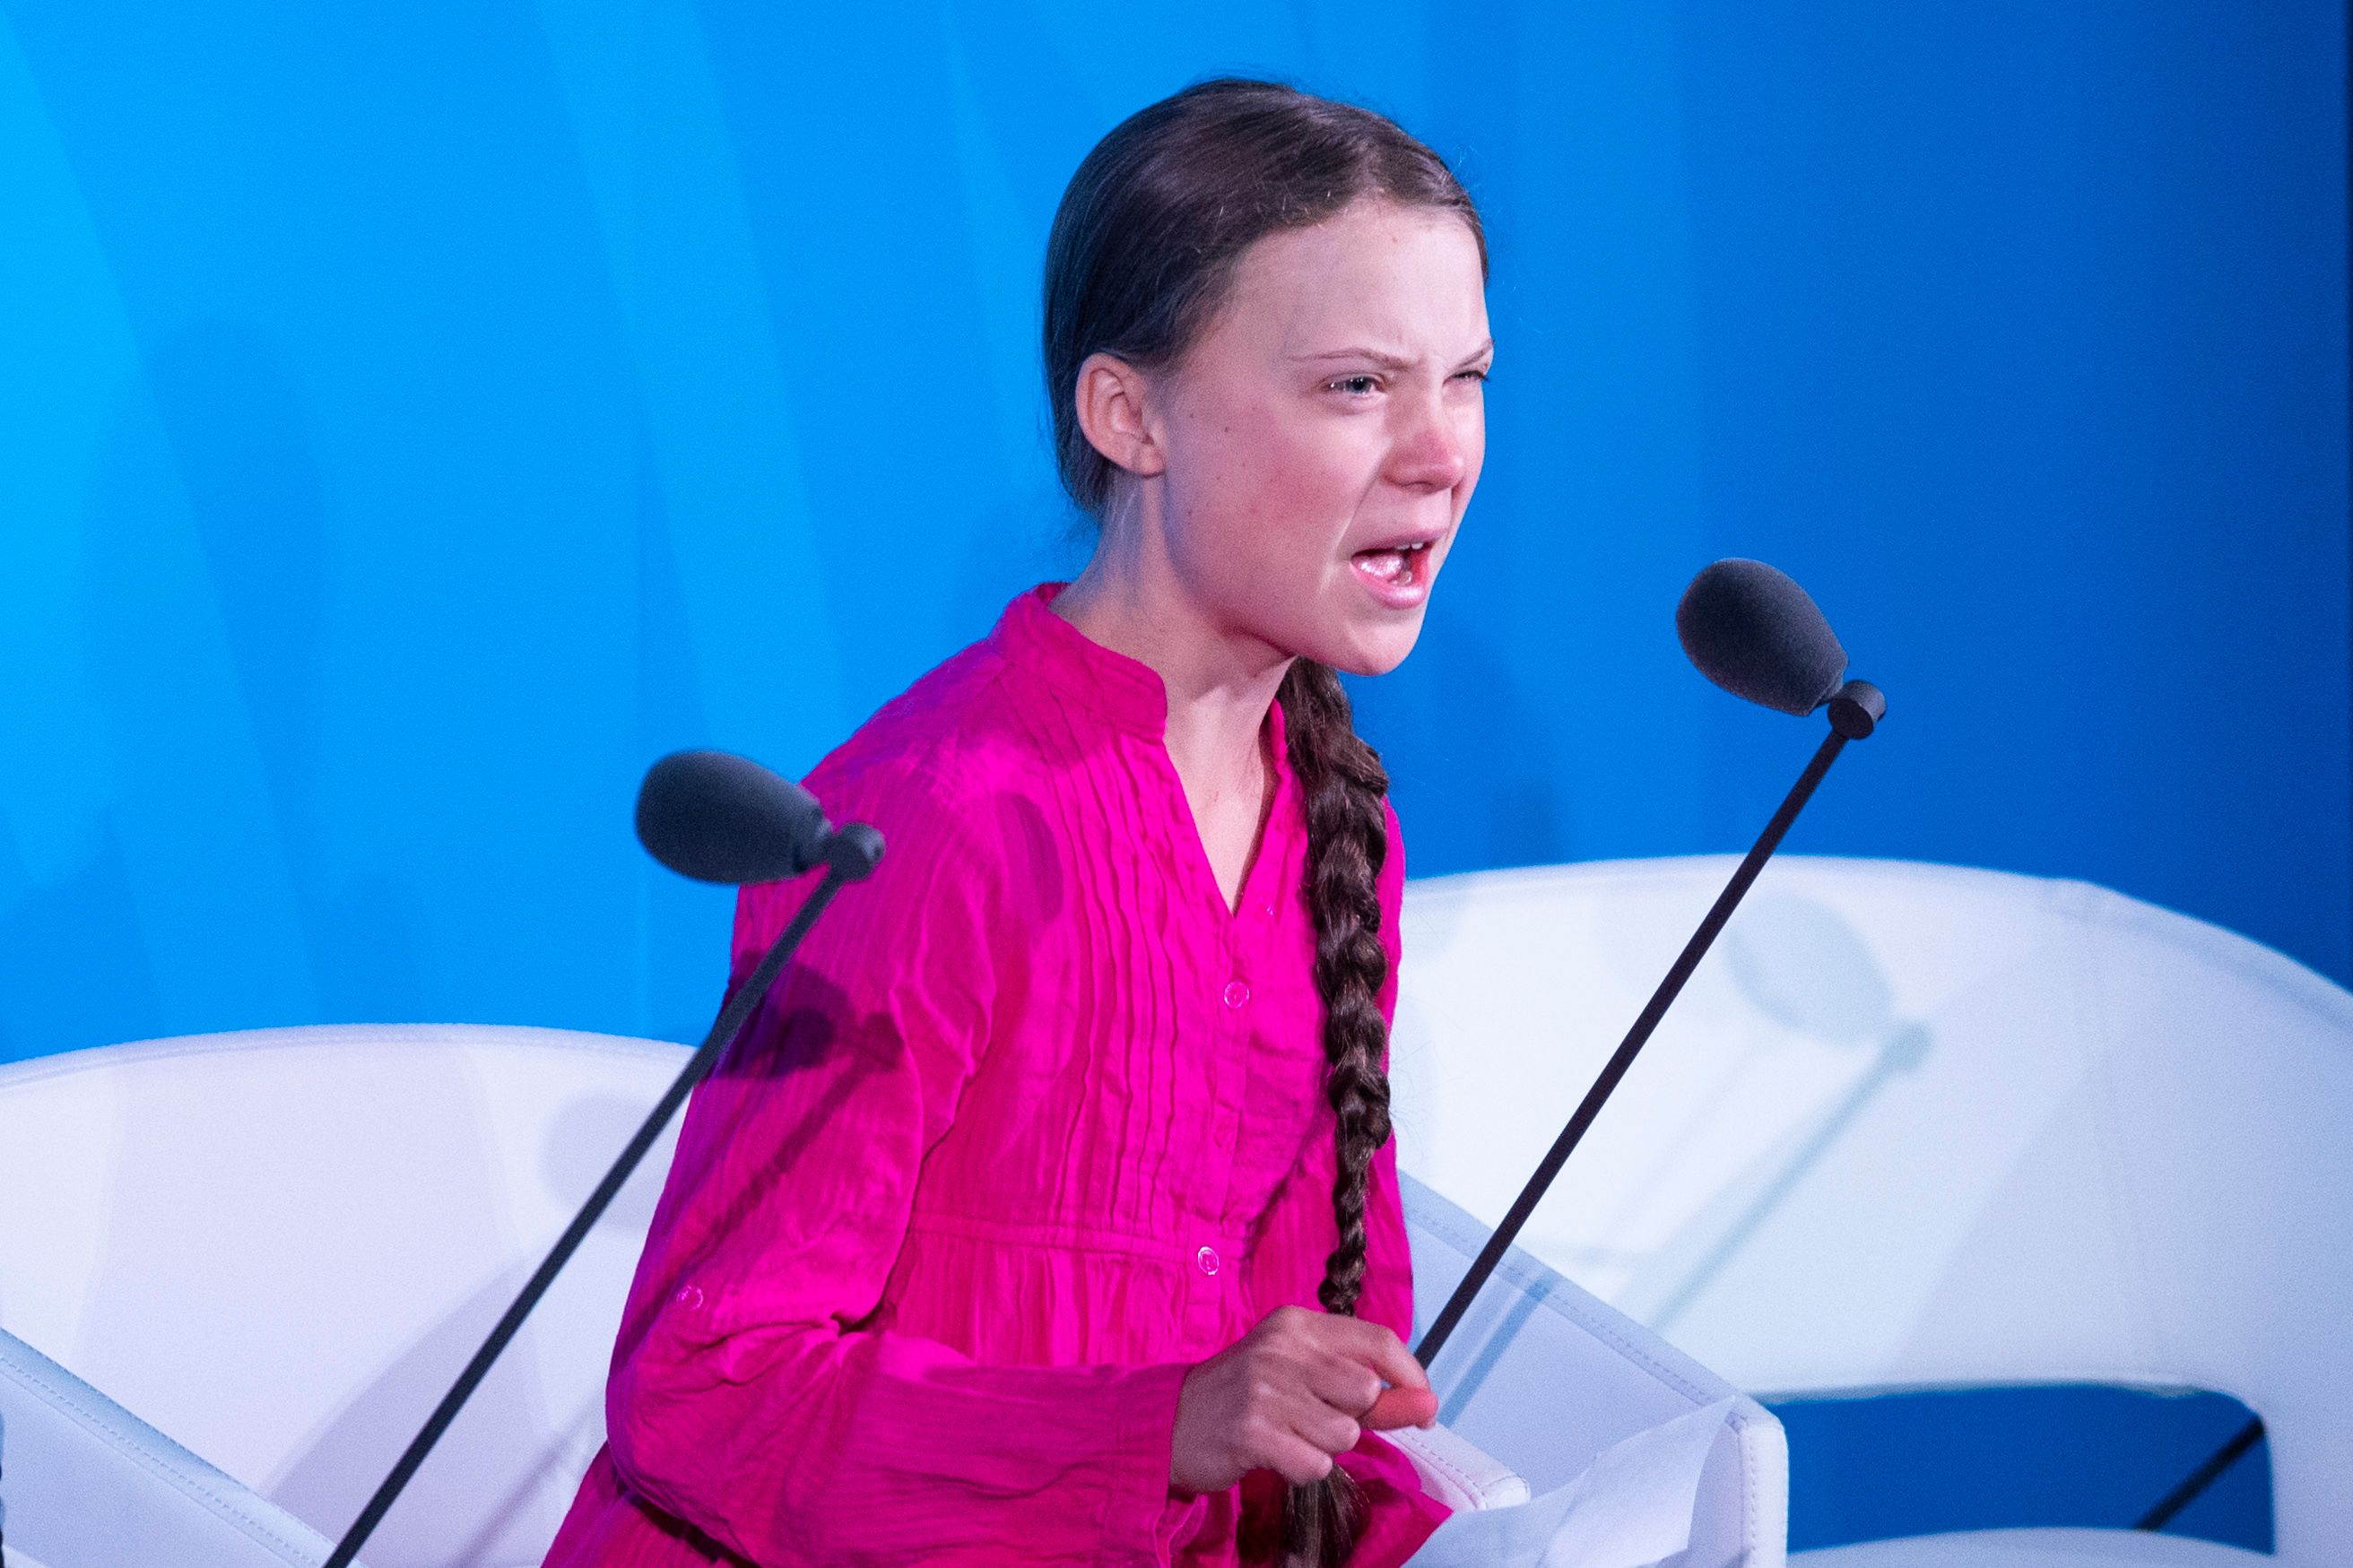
(1047, 1211)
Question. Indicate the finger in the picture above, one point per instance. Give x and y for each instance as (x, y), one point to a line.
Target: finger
(1342, 1382)
(1378, 1347)
(1296, 1460)
(1401, 1407)
(1397, 1366)
(1333, 1431)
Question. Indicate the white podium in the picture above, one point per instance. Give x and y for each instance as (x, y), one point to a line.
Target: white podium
(278, 1248)
(1917, 1126)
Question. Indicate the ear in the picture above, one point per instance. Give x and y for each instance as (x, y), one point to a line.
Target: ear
(1111, 407)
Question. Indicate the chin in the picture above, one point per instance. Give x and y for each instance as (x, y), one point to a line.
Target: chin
(1374, 651)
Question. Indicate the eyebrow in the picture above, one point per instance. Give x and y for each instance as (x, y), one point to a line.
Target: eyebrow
(1384, 360)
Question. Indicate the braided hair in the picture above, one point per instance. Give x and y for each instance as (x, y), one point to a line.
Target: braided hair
(1143, 250)
(1345, 789)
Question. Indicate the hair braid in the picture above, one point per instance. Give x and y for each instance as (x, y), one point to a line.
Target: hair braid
(1345, 786)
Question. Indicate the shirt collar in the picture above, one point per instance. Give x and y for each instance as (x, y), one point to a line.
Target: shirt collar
(1126, 691)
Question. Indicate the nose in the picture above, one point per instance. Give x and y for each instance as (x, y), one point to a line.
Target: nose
(1430, 452)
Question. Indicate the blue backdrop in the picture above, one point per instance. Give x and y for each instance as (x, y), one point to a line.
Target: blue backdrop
(412, 421)
(415, 419)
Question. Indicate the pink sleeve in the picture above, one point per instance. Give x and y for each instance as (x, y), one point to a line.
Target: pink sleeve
(748, 1398)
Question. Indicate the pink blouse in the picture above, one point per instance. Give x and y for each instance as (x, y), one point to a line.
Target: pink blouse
(1033, 1124)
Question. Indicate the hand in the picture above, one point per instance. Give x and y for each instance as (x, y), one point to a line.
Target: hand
(1294, 1392)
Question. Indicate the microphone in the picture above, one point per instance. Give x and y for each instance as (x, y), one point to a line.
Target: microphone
(716, 817)
(1753, 631)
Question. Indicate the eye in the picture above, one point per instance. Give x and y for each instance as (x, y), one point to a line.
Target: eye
(1355, 385)
(1477, 375)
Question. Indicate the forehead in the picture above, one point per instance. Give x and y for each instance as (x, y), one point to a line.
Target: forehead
(1373, 275)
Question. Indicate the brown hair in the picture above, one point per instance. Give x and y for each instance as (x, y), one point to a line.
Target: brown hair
(1143, 251)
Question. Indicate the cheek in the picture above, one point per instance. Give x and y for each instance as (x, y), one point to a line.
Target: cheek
(1312, 479)
(1267, 489)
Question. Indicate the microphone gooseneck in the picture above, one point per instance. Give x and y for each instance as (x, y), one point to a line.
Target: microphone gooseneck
(1754, 632)
(719, 818)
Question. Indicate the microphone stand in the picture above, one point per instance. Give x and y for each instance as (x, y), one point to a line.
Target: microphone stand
(1854, 712)
(850, 853)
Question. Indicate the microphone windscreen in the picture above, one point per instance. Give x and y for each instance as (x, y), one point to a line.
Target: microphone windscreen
(718, 817)
(1753, 631)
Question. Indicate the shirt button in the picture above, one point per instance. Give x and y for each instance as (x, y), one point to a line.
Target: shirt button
(1236, 992)
(1223, 1132)
(689, 1296)
(1208, 1258)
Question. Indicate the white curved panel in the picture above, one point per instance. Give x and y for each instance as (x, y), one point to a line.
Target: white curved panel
(280, 1246)
(1913, 1125)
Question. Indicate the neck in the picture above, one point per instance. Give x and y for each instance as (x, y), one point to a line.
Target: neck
(1221, 680)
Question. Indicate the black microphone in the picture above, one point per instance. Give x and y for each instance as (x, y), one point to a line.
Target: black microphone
(716, 817)
(1751, 629)
(1754, 632)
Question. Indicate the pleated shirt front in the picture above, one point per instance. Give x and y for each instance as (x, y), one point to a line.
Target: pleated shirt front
(1033, 1124)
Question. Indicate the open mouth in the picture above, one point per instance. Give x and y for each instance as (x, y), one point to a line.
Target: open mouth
(1399, 566)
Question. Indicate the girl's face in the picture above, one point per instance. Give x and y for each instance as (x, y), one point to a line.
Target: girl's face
(1322, 436)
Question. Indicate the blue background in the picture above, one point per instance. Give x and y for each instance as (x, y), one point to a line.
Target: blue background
(413, 420)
